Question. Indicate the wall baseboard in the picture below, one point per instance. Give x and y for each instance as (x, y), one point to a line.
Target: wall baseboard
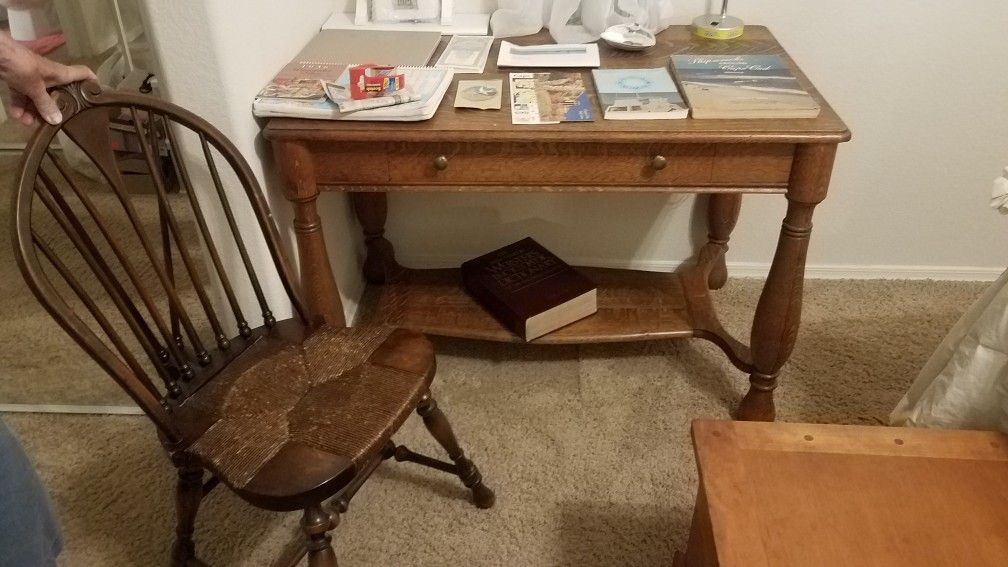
(869, 272)
(760, 269)
(70, 409)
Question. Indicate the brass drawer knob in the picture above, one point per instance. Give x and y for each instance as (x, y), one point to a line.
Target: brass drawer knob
(659, 162)
(441, 163)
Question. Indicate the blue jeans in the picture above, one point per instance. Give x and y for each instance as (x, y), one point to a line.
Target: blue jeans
(29, 532)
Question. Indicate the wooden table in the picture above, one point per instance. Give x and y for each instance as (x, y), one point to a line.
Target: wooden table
(793, 495)
(481, 151)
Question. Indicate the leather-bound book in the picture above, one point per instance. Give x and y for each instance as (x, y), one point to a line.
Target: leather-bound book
(528, 289)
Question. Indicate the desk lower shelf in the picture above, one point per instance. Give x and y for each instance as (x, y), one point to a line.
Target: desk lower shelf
(632, 305)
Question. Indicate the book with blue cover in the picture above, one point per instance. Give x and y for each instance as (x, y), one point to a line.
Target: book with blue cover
(742, 86)
(638, 94)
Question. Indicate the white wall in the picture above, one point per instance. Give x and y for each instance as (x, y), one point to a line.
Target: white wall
(909, 194)
(214, 56)
(929, 113)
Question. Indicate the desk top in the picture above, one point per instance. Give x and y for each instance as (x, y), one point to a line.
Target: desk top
(459, 124)
(781, 494)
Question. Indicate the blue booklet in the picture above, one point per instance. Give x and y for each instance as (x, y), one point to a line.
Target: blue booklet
(639, 94)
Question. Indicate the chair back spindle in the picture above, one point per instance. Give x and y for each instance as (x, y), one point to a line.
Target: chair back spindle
(126, 270)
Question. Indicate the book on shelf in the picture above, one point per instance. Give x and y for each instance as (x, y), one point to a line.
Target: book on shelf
(742, 86)
(639, 94)
(528, 289)
(293, 94)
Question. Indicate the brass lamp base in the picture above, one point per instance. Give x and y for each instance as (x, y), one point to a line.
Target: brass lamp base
(716, 26)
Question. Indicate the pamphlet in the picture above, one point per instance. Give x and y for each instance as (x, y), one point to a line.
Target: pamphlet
(485, 94)
(549, 98)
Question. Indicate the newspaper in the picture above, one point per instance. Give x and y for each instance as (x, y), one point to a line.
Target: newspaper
(340, 95)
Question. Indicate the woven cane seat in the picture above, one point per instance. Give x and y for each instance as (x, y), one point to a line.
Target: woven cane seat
(305, 418)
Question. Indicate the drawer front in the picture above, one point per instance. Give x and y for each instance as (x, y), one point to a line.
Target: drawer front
(752, 164)
(550, 164)
(350, 163)
(506, 164)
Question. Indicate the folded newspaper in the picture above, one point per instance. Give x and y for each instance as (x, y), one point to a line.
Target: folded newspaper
(340, 95)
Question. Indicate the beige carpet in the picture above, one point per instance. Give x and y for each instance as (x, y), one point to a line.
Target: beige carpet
(587, 447)
(39, 364)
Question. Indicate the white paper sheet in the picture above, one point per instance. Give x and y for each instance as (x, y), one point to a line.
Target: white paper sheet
(549, 55)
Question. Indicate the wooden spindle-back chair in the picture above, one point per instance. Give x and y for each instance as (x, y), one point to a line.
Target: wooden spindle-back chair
(289, 413)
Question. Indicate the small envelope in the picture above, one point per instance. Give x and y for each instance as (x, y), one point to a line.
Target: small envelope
(484, 95)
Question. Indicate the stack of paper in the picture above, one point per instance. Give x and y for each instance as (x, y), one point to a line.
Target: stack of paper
(427, 86)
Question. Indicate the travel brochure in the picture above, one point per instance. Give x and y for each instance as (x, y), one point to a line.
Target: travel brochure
(549, 98)
(315, 84)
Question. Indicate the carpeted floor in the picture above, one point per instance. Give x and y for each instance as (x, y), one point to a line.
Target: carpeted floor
(38, 362)
(587, 447)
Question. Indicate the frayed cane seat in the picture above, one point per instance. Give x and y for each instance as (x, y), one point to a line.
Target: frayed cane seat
(312, 413)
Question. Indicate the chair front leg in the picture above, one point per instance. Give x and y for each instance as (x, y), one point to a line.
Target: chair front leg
(437, 424)
(316, 524)
(188, 494)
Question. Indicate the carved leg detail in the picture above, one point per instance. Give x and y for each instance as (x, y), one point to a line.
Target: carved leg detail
(317, 282)
(778, 313)
(758, 403)
(316, 524)
(188, 494)
(722, 214)
(441, 430)
(372, 212)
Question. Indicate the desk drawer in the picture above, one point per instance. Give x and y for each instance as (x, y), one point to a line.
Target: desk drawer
(506, 164)
(514, 163)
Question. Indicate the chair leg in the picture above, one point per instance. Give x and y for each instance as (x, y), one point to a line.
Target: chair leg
(439, 428)
(316, 525)
(188, 494)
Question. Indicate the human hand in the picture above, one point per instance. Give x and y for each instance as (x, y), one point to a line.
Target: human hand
(28, 75)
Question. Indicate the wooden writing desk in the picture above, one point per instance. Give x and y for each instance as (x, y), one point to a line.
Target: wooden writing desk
(481, 151)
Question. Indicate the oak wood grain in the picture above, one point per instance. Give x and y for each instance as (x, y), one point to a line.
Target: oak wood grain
(441, 165)
(632, 306)
(794, 494)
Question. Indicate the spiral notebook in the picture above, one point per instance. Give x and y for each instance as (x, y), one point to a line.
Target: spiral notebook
(372, 46)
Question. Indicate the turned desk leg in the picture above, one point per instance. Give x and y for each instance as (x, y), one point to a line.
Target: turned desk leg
(778, 312)
(722, 214)
(321, 294)
(372, 211)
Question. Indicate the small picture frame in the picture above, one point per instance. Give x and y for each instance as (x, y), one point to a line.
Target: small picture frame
(404, 12)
